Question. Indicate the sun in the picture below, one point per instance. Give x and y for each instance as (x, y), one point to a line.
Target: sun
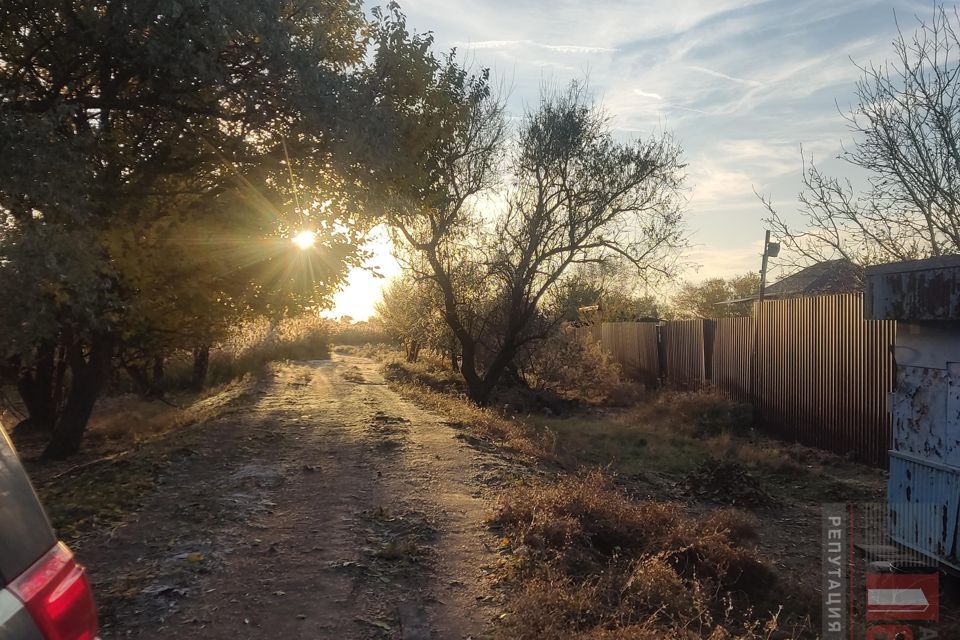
(305, 239)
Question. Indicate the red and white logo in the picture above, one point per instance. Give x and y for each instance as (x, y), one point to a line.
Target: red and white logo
(903, 596)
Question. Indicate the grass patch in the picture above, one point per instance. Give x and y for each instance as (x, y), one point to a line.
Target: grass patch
(630, 448)
(431, 385)
(100, 497)
(586, 561)
(130, 419)
(583, 560)
(678, 434)
(125, 456)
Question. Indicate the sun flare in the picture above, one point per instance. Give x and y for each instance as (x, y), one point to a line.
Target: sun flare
(305, 239)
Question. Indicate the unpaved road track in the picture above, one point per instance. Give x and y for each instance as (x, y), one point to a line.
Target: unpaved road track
(322, 506)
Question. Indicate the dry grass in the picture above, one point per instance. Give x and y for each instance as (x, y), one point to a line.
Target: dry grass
(671, 433)
(586, 561)
(582, 560)
(132, 420)
(435, 386)
(250, 347)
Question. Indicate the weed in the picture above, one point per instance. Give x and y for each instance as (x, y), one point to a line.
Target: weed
(399, 551)
(600, 565)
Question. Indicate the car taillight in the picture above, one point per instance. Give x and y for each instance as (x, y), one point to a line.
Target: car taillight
(56, 592)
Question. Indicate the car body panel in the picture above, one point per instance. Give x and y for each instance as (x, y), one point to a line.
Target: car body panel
(25, 532)
(15, 620)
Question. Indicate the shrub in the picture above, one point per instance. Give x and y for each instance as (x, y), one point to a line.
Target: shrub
(251, 346)
(576, 368)
(357, 334)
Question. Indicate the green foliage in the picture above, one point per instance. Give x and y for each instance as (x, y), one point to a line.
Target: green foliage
(158, 156)
(411, 314)
(708, 299)
(603, 293)
(576, 196)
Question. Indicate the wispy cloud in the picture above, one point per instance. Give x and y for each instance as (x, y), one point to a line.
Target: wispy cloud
(741, 83)
(559, 48)
(647, 94)
(717, 74)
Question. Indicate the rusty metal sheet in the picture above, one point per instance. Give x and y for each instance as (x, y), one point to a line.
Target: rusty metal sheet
(920, 290)
(924, 499)
(919, 412)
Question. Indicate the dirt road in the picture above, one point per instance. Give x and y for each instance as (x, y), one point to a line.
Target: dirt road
(323, 505)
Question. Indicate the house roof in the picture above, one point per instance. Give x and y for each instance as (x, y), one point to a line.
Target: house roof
(822, 278)
(831, 276)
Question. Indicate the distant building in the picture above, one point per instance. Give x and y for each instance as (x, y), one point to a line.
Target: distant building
(822, 278)
(831, 276)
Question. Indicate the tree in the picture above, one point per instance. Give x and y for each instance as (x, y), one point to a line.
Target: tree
(707, 299)
(608, 292)
(575, 196)
(157, 155)
(905, 125)
(411, 313)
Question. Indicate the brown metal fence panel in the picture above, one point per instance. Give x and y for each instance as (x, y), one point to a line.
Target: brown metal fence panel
(732, 342)
(820, 374)
(595, 331)
(684, 361)
(823, 373)
(633, 345)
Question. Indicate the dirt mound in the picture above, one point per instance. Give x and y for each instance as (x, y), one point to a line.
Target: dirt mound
(726, 482)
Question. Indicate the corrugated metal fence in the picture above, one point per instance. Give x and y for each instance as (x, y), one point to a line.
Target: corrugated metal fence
(634, 345)
(686, 352)
(732, 342)
(820, 373)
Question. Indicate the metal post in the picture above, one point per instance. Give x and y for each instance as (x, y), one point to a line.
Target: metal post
(763, 266)
(756, 316)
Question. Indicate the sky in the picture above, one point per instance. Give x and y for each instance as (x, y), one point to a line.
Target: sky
(741, 84)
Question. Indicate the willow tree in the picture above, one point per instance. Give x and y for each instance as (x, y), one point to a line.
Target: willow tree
(497, 230)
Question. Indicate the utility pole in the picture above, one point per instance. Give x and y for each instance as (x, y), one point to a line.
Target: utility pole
(770, 250)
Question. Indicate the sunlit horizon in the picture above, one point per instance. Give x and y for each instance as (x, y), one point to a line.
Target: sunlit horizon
(363, 289)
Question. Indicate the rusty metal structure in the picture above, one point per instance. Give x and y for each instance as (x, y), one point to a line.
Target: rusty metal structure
(923, 297)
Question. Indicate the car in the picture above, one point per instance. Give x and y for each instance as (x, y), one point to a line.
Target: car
(44, 592)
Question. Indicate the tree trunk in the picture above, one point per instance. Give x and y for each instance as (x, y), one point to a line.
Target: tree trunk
(138, 376)
(479, 391)
(158, 371)
(454, 361)
(480, 388)
(60, 377)
(88, 377)
(36, 389)
(201, 364)
(413, 351)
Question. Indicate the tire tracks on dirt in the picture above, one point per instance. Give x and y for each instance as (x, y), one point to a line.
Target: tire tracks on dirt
(329, 507)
